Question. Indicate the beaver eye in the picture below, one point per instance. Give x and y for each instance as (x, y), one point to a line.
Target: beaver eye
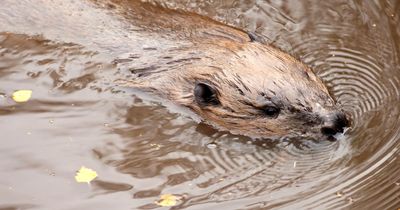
(271, 111)
(205, 95)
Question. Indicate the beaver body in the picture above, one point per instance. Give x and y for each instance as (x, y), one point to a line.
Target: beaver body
(219, 72)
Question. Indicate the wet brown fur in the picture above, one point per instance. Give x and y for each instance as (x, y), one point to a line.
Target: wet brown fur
(246, 76)
(168, 52)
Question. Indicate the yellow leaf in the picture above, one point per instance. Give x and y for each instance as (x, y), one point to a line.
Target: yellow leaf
(168, 200)
(85, 175)
(22, 95)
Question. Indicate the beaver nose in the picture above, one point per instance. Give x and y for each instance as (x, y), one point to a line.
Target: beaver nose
(335, 123)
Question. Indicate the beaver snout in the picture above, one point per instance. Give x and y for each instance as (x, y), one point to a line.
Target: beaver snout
(335, 123)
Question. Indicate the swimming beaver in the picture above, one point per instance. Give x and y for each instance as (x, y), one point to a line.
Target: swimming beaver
(223, 74)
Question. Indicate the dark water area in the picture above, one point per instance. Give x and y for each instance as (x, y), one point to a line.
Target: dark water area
(70, 53)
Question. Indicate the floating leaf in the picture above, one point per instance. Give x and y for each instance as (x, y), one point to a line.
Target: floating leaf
(22, 95)
(85, 175)
(168, 200)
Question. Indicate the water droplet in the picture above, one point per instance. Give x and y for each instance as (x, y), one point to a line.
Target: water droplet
(156, 146)
(50, 172)
(350, 199)
(212, 145)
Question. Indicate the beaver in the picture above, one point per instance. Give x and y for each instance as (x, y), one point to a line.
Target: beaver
(226, 76)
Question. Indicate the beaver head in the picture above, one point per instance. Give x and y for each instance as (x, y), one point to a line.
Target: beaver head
(248, 88)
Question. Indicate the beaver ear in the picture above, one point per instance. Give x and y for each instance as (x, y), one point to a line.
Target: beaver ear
(252, 36)
(205, 95)
(256, 38)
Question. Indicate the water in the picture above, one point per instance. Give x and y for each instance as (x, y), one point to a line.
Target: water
(142, 149)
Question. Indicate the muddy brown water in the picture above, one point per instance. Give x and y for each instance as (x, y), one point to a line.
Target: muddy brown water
(68, 53)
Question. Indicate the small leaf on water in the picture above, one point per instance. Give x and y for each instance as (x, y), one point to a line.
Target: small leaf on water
(85, 175)
(22, 95)
(168, 200)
